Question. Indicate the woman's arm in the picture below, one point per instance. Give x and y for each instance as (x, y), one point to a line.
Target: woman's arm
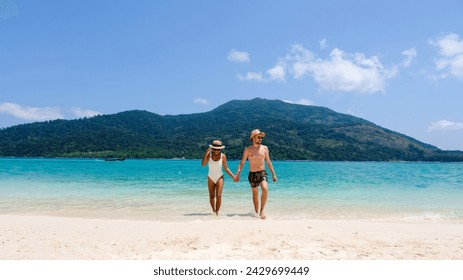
(225, 167)
(206, 157)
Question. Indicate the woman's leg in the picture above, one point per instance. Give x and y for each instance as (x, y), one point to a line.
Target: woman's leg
(218, 195)
(212, 189)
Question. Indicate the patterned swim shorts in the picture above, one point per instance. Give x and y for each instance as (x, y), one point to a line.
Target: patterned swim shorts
(255, 178)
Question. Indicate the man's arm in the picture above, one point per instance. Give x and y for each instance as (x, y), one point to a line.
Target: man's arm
(270, 166)
(240, 166)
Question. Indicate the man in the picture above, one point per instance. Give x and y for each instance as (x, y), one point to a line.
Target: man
(257, 154)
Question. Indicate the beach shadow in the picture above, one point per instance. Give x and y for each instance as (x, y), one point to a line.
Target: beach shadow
(197, 214)
(241, 215)
(252, 215)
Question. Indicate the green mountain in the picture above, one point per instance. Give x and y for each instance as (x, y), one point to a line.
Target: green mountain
(294, 132)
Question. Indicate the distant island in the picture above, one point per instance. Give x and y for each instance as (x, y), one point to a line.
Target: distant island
(294, 132)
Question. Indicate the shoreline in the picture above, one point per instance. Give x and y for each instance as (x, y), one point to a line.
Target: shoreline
(238, 159)
(62, 238)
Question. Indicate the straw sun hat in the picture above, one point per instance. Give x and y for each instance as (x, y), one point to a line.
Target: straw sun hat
(256, 132)
(217, 144)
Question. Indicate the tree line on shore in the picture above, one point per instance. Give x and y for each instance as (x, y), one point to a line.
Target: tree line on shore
(294, 132)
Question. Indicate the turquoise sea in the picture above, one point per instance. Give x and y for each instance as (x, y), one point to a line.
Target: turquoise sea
(176, 190)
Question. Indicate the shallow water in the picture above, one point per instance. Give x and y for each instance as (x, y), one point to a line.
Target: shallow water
(176, 190)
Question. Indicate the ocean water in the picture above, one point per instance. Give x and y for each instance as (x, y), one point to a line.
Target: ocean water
(176, 190)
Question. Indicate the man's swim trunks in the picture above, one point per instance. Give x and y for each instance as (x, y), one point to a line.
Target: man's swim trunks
(255, 178)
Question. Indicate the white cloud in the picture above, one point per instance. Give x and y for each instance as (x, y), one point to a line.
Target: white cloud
(301, 101)
(277, 73)
(445, 125)
(201, 101)
(323, 44)
(409, 54)
(450, 60)
(301, 60)
(252, 76)
(82, 113)
(449, 45)
(8, 9)
(31, 113)
(351, 72)
(238, 56)
(341, 71)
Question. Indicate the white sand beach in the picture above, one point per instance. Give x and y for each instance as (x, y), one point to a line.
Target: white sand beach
(57, 238)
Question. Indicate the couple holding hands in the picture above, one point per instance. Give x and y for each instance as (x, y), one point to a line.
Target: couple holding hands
(257, 154)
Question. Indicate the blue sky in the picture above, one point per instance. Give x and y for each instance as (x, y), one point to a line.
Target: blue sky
(398, 64)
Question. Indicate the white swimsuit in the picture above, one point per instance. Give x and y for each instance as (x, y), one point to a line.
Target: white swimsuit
(215, 169)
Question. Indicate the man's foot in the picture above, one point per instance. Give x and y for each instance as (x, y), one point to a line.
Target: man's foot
(262, 215)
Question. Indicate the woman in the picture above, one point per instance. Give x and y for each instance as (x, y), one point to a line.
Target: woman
(216, 160)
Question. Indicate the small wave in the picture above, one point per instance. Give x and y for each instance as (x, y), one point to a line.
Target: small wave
(433, 216)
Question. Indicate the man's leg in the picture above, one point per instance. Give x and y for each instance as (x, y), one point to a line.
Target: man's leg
(263, 200)
(255, 198)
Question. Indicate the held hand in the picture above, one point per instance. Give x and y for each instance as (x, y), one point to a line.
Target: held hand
(274, 178)
(237, 178)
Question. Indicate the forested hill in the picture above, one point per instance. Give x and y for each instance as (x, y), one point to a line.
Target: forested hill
(294, 132)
